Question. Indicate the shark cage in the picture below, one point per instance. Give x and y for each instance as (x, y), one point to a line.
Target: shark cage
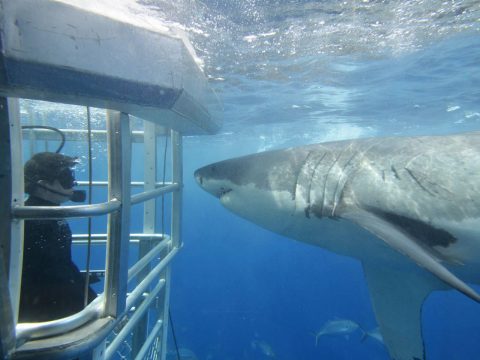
(144, 90)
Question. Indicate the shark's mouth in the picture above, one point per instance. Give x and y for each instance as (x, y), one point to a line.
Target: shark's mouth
(223, 191)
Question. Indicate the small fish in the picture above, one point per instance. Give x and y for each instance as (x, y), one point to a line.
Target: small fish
(374, 334)
(263, 347)
(337, 327)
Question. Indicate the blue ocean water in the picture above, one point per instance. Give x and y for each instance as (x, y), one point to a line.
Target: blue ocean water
(293, 73)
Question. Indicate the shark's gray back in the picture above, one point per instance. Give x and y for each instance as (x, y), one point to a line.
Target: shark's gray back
(424, 177)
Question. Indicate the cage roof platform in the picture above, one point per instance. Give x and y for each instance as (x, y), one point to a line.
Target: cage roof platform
(58, 51)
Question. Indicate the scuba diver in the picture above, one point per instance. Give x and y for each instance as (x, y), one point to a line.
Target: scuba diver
(52, 285)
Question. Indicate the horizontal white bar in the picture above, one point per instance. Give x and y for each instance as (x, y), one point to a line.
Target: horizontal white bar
(60, 212)
(80, 135)
(81, 239)
(133, 183)
(28, 331)
(147, 195)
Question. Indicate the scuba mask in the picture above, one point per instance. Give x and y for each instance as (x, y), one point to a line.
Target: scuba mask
(66, 178)
(77, 195)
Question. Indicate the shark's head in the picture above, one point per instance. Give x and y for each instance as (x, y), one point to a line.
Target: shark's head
(260, 187)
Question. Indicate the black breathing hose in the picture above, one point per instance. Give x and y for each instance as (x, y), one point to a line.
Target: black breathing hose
(51, 128)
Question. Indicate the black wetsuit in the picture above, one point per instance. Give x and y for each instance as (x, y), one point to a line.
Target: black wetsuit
(52, 285)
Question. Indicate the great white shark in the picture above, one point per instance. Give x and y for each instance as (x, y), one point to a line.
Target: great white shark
(419, 196)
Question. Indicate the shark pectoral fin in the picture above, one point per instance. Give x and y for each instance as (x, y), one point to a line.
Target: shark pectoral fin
(407, 246)
(397, 297)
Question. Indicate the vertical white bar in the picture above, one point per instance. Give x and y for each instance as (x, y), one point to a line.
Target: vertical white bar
(177, 177)
(16, 243)
(32, 138)
(150, 175)
(119, 168)
(149, 215)
(7, 317)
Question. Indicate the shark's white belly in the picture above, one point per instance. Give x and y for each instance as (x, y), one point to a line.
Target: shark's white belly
(289, 219)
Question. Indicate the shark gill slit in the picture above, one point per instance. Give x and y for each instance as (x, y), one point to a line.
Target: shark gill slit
(343, 179)
(309, 195)
(395, 172)
(295, 186)
(326, 183)
(345, 175)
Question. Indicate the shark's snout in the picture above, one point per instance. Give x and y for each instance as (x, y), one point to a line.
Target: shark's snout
(204, 175)
(198, 177)
(206, 178)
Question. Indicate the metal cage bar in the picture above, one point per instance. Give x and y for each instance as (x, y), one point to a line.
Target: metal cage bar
(149, 224)
(119, 153)
(16, 239)
(102, 238)
(145, 260)
(133, 183)
(7, 324)
(151, 194)
(133, 321)
(78, 135)
(55, 327)
(150, 340)
(177, 177)
(60, 212)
